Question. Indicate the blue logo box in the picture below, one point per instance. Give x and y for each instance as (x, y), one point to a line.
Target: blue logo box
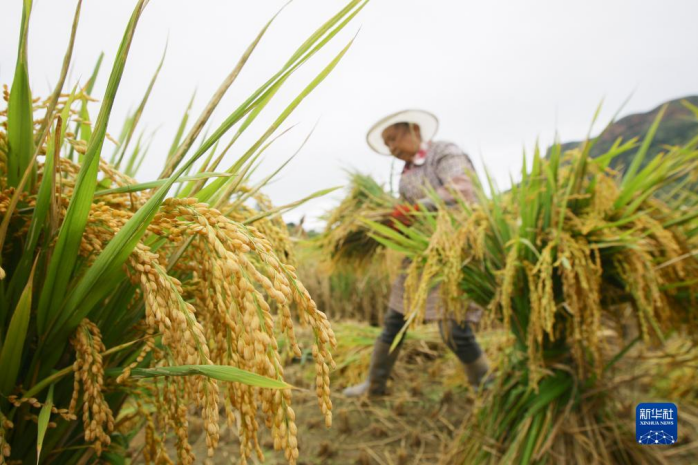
(656, 424)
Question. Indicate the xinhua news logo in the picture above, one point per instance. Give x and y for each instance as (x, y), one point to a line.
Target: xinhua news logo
(656, 424)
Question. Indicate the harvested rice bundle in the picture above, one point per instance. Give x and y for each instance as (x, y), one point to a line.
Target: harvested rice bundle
(347, 238)
(555, 260)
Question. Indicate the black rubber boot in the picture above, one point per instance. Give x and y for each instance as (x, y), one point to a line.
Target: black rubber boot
(476, 372)
(382, 362)
(461, 340)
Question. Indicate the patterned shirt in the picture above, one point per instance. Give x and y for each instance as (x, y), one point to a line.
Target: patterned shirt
(440, 162)
(435, 165)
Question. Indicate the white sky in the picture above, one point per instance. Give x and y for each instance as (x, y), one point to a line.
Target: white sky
(498, 74)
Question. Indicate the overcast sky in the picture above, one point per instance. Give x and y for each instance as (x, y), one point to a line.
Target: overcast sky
(498, 74)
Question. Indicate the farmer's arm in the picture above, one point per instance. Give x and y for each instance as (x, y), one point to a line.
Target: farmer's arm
(460, 183)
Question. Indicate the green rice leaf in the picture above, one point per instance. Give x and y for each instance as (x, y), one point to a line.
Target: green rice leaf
(136, 157)
(531, 439)
(290, 206)
(642, 152)
(83, 130)
(550, 389)
(157, 183)
(175, 158)
(20, 115)
(65, 252)
(12, 348)
(389, 233)
(44, 417)
(210, 190)
(271, 87)
(219, 372)
(181, 128)
(139, 111)
(322, 30)
(53, 101)
(247, 195)
(392, 245)
(41, 208)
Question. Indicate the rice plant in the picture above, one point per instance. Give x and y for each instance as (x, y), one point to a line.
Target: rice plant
(113, 294)
(346, 239)
(567, 253)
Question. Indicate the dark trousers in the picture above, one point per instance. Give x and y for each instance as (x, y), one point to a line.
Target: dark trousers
(459, 338)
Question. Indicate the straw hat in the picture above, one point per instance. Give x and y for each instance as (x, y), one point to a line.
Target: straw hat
(427, 122)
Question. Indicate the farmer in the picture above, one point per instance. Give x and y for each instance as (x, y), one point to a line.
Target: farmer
(407, 135)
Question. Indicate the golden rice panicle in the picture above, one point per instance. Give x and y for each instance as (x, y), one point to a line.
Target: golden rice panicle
(103, 223)
(223, 280)
(89, 374)
(115, 177)
(324, 339)
(421, 272)
(273, 228)
(153, 447)
(242, 398)
(149, 345)
(322, 384)
(542, 310)
(5, 450)
(174, 408)
(5, 199)
(34, 402)
(543, 272)
(287, 284)
(182, 334)
(284, 429)
(347, 240)
(324, 336)
(167, 312)
(156, 429)
(665, 246)
(605, 194)
(534, 330)
(507, 284)
(235, 285)
(581, 284)
(637, 271)
(287, 328)
(458, 239)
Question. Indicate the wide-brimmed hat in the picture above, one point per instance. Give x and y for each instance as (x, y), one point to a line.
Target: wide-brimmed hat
(427, 122)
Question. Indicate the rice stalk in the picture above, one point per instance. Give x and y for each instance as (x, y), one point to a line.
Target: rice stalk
(144, 299)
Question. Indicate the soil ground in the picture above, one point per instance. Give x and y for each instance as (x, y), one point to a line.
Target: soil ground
(405, 428)
(413, 425)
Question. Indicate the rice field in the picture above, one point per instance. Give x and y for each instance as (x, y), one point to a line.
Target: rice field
(178, 320)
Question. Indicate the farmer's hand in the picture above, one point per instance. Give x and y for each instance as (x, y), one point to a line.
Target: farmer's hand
(403, 214)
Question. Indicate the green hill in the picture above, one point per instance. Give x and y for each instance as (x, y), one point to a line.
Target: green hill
(678, 126)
